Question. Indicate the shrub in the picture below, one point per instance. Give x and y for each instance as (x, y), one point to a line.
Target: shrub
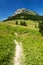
(16, 22)
(41, 27)
(35, 26)
(23, 23)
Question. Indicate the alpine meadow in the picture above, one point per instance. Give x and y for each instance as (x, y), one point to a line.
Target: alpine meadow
(21, 42)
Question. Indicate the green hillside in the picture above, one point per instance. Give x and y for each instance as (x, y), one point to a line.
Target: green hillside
(7, 46)
(31, 39)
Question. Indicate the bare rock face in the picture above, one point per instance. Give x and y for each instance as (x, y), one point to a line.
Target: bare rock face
(23, 10)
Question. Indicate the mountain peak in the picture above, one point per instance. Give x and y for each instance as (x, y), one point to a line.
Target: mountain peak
(23, 14)
(23, 10)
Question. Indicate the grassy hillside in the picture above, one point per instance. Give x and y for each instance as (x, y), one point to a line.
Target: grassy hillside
(32, 46)
(7, 46)
(30, 37)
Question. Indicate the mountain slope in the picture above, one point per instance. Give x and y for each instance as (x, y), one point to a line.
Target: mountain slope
(32, 43)
(24, 14)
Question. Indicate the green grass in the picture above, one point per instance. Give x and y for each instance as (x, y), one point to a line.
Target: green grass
(7, 46)
(30, 37)
(32, 46)
(29, 23)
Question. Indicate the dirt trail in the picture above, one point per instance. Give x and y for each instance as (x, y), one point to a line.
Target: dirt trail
(18, 53)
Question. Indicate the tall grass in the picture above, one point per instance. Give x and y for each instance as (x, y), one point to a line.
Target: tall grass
(7, 46)
(32, 45)
(31, 40)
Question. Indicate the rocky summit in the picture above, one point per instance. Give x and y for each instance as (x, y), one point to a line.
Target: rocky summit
(26, 11)
(24, 14)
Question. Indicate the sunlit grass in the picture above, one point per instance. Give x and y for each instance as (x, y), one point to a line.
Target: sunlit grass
(7, 46)
(30, 37)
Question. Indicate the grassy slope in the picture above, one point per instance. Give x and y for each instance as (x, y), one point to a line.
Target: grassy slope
(33, 47)
(7, 46)
(29, 36)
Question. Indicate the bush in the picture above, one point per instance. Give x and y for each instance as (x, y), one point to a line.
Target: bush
(35, 26)
(41, 27)
(23, 23)
(16, 22)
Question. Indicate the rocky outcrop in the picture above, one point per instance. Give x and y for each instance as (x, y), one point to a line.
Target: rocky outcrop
(23, 10)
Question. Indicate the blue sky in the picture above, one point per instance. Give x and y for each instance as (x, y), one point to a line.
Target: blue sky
(8, 7)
